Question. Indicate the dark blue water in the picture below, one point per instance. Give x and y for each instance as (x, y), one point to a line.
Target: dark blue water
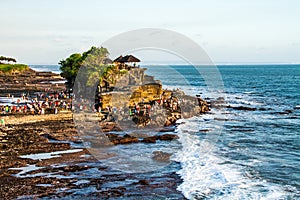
(257, 153)
(238, 154)
(276, 132)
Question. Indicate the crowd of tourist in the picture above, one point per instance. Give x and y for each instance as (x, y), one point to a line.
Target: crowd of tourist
(38, 103)
(46, 103)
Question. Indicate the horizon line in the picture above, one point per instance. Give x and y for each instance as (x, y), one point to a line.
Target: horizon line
(221, 63)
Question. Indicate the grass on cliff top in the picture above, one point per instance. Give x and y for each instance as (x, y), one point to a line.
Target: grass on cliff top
(8, 68)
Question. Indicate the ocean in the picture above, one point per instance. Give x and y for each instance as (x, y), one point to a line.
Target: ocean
(51, 68)
(229, 153)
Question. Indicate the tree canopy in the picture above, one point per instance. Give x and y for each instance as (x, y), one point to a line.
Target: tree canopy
(7, 59)
(91, 59)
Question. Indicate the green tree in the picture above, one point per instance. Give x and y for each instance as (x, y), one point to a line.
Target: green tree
(70, 66)
(7, 59)
(97, 68)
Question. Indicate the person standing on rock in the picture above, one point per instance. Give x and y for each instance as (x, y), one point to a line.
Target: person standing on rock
(137, 108)
(6, 109)
(42, 111)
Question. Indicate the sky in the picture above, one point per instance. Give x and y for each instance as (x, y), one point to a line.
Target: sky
(230, 31)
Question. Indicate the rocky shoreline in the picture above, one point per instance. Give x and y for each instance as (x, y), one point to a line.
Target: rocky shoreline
(45, 156)
(30, 81)
(25, 135)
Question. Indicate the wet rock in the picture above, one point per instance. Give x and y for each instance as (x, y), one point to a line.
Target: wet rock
(110, 193)
(74, 168)
(29, 80)
(141, 120)
(204, 106)
(168, 123)
(127, 140)
(221, 119)
(99, 143)
(168, 137)
(242, 108)
(264, 109)
(143, 182)
(286, 112)
(139, 135)
(25, 139)
(151, 139)
(205, 130)
(33, 138)
(167, 129)
(109, 126)
(117, 139)
(161, 156)
(171, 120)
(112, 136)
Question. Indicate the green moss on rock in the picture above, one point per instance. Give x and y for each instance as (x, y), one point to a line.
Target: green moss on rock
(9, 68)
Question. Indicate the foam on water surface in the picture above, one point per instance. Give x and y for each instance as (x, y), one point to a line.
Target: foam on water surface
(55, 154)
(26, 169)
(206, 175)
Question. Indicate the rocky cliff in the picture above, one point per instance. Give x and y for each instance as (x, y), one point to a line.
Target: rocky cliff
(140, 98)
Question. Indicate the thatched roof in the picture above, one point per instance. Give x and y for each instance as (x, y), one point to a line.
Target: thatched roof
(127, 58)
(118, 59)
(130, 58)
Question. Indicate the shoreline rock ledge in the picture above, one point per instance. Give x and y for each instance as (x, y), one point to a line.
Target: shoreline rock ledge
(29, 80)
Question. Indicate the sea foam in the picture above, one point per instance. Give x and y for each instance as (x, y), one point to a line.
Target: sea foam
(207, 175)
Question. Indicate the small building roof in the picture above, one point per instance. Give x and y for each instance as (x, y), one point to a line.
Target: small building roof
(118, 59)
(130, 58)
(127, 58)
